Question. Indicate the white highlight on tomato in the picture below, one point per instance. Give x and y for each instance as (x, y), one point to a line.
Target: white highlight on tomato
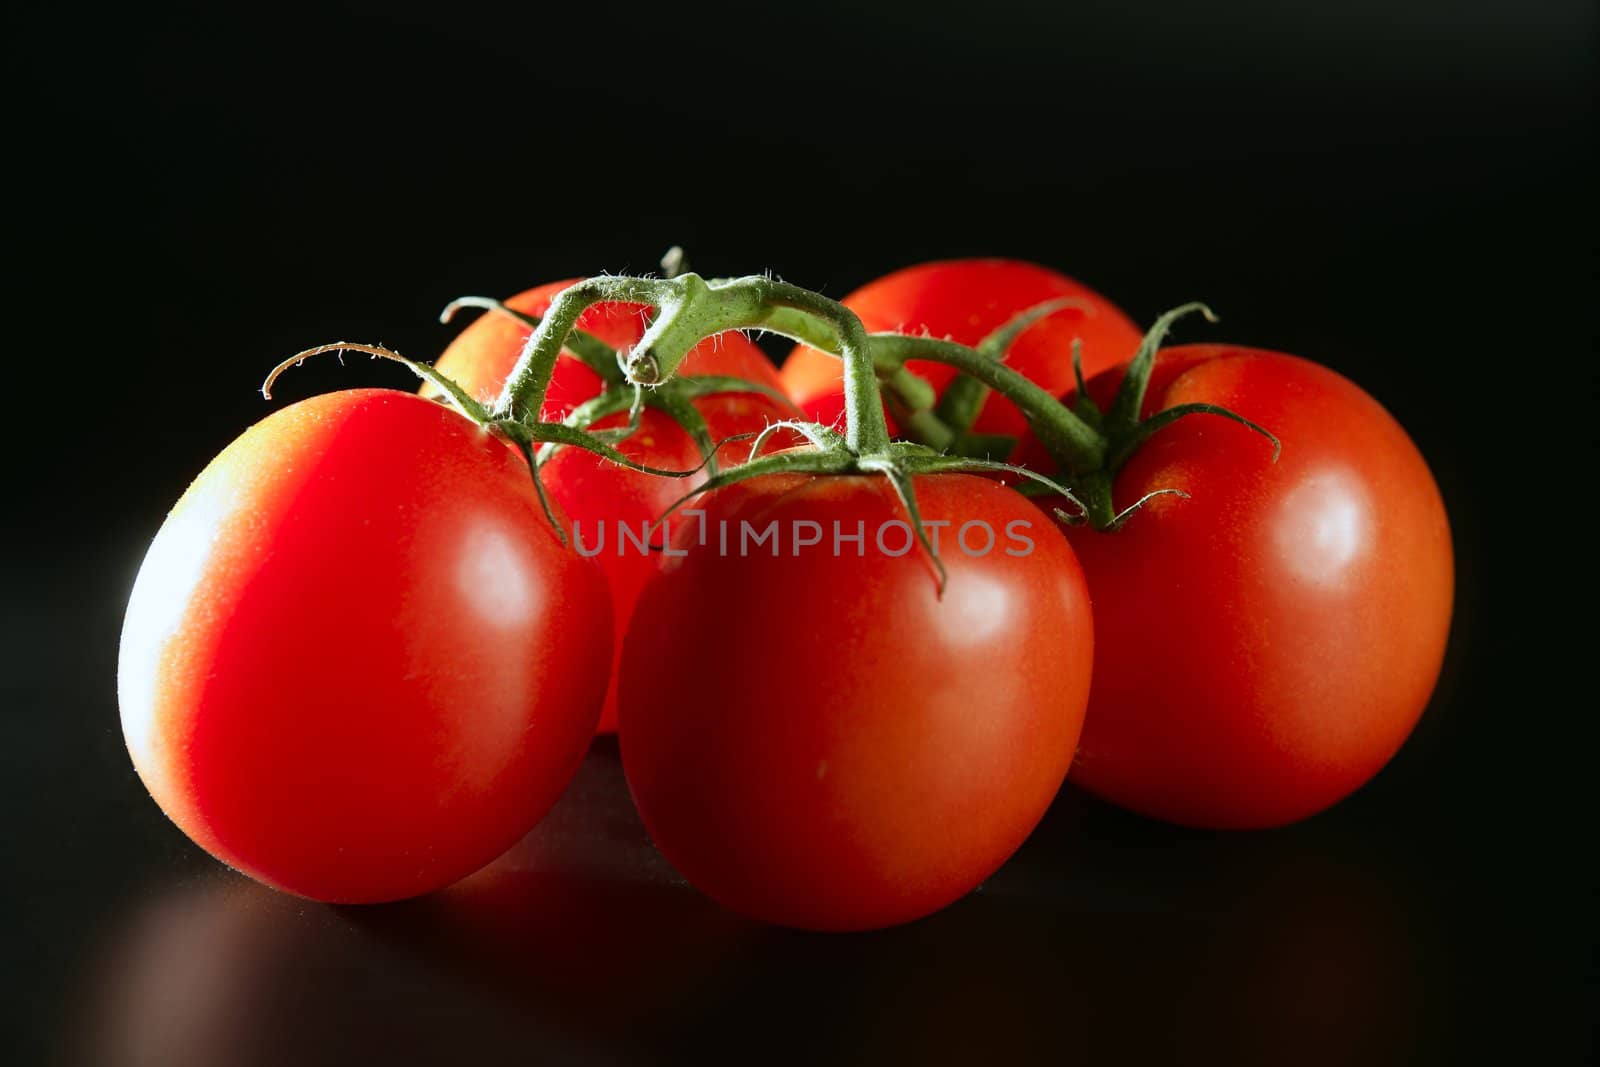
(977, 607)
(496, 576)
(163, 596)
(1323, 526)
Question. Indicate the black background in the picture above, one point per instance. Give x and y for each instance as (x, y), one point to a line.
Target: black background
(1402, 190)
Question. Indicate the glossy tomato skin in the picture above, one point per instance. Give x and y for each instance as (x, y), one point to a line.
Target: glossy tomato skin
(1266, 645)
(599, 496)
(357, 663)
(823, 742)
(965, 300)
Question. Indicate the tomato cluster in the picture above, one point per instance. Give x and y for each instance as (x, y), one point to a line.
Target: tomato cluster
(371, 643)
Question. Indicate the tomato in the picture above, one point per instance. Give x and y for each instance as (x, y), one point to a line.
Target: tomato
(965, 300)
(600, 497)
(1265, 646)
(357, 663)
(820, 740)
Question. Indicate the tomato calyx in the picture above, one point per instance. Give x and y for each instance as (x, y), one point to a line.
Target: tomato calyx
(1088, 446)
(690, 308)
(673, 398)
(1124, 429)
(828, 453)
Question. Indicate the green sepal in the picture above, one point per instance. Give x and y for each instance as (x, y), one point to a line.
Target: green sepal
(1083, 404)
(1124, 448)
(1124, 413)
(964, 397)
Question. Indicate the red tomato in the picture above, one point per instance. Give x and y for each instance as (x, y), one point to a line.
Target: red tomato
(357, 663)
(965, 300)
(820, 740)
(1266, 645)
(601, 497)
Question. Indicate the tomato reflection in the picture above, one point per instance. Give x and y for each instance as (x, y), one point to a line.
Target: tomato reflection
(1108, 939)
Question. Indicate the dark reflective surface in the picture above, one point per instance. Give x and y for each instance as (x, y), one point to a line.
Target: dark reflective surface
(1107, 937)
(1430, 918)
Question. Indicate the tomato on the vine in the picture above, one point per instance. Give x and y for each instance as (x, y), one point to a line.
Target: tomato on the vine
(603, 500)
(813, 735)
(357, 663)
(965, 300)
(1267, 644)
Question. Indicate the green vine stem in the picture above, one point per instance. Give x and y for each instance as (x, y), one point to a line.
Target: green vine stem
(964, 397)
(523, 394)
(700, 310)
(1075, 444)
(758, 302)
(689, 309)
(1087, 447)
